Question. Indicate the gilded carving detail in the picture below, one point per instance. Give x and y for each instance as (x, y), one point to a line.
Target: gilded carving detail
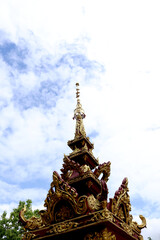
(64, 192)
(76, 150)
(102, 215)
(127, 228)
(85, 168)
(62, 227)
(105, 169)
(62, 203)
(85, 147)
(68, 167)
(102, 235)
(93, 203)
(79, 125)
(32, 223)
(137, 226)
(63, 213)
(121, 206)
(29, 236)
(79, 115)
(143, 224)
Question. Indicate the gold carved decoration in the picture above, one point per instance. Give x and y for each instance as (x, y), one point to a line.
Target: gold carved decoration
(63, 213)
(121, 206)
(63, 203)
(32, 223)
(93, 203)
(68, 167)
(144, 224)
(127, 228)
(138, 227)
(105, 169)
(133, 226)
(85, 168)
(63, 227)
(102, 215)
(76, 150)
(29, 236)
(79, 115)
(102, 235)
(85, 147)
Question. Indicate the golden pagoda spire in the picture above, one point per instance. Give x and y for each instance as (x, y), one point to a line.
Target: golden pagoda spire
(79, 115)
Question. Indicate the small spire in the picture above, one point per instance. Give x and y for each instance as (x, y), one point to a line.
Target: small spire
(79, 115)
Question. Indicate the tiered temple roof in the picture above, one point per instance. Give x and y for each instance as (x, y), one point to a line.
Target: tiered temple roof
(77, 205)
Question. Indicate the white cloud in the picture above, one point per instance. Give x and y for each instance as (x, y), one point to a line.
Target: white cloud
(122, 104)
(15, 194)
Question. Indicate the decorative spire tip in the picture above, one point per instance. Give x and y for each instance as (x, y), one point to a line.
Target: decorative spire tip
(79, 114)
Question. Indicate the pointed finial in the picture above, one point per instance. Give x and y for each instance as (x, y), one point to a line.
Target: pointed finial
(77, 91)
(79, 115)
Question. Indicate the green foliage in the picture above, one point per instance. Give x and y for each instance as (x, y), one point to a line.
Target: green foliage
(149, 238)
(10, 227)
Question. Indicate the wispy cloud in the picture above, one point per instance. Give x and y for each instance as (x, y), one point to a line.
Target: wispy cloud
(13, 193)
(14, 55)
(32, 115)
(44, 49)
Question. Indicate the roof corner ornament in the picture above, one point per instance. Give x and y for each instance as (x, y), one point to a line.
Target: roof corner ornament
(79, 115)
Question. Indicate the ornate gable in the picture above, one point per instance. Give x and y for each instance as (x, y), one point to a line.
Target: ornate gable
(120, 204)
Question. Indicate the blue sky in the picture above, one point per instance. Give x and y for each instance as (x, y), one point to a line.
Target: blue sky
(112, 49)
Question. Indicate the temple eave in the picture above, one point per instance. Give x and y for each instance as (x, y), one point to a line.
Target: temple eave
(88, 181)
(79, 227)
(72, 143)
(84, 157)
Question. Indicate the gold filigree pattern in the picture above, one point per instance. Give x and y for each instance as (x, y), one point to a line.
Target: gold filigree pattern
(127, 228)
(105, 169)
(64, 213)
(68, 167)
(93, 203)
(102, 235)
(66, 197)
(29, 236)
(102, 215)
(32, 223)
(81, 206)
(62, 203)
(121, 206)
(63, 227)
